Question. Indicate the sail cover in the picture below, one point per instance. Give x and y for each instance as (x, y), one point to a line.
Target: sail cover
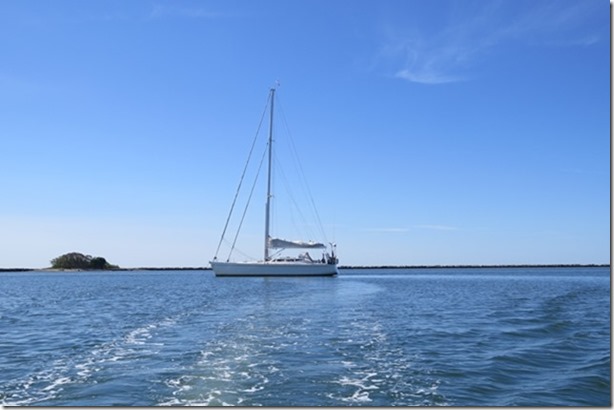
(284, 244)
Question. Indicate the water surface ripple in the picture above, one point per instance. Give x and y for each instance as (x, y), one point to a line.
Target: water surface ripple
(460, 337)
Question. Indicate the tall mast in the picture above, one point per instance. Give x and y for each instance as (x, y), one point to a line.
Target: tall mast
(268, 193)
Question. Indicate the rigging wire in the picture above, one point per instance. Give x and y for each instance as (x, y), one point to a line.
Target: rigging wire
(251, 192)
(303, 184)
(234, 201)
(293, 201)
(245, 255)
(301, 172)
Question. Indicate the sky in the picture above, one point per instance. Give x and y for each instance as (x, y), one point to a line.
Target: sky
(431, 132)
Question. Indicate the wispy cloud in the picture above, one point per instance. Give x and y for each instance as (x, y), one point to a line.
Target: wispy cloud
(166, 11)
(446, 55)
(385, 230)
(438, 227)
(427, 76)
(394, 230)
(552, 22)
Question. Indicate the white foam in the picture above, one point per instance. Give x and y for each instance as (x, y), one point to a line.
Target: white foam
(360, 383)
(254, 389)
(56, 383)
(45, 384)
(359, 396)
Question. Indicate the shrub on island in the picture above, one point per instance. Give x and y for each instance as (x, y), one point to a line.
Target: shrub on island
(76, 260)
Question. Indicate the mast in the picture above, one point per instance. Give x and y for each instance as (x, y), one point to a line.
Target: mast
(268, 193)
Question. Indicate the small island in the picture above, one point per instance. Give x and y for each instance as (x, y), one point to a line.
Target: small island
(76, 260)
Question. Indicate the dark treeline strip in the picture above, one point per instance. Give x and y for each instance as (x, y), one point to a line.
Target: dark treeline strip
(477, 266)
(345, 267)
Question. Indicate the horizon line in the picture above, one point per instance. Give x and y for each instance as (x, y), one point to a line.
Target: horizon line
(549, 265)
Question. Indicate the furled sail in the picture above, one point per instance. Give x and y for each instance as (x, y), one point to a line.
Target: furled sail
(284, 244)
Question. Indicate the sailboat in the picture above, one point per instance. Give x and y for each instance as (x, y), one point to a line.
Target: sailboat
(272, 264)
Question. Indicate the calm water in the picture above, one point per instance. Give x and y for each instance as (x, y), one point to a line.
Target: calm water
(456, 337)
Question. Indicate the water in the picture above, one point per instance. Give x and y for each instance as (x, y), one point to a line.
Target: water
(459, 337)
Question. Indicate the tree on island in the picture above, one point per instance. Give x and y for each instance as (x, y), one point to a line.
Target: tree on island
(76, 260)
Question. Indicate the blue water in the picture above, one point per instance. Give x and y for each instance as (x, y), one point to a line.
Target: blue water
(460, 337)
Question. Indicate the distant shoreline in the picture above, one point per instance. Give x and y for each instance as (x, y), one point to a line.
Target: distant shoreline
(607, 265)
(340, 267)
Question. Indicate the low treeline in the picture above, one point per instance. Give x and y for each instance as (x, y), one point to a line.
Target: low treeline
(477, 266)
(76, 260)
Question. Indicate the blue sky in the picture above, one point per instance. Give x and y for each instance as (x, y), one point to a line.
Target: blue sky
(432, 132)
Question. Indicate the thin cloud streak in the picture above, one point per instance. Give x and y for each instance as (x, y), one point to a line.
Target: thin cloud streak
(385, 230)
(444, 57)
(404, 230)
(438, 227)
(427, 77)
(160, 11)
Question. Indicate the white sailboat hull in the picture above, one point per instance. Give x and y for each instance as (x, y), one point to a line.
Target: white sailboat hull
(273, 269)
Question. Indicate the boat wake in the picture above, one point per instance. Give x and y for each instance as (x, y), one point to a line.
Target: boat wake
(48, 383)
(272, 359)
